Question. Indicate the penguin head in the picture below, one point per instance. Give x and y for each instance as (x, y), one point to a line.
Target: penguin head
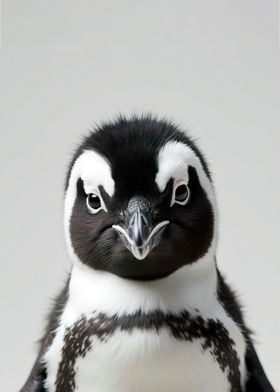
(139, 200)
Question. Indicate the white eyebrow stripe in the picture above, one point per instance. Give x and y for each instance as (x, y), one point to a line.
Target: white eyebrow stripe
(95, 171)
(173, 161)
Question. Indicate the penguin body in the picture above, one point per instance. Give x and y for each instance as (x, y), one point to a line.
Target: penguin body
(145, 307)
(142, 344)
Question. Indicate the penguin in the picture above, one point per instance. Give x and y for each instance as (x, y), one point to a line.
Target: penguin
(145, 307)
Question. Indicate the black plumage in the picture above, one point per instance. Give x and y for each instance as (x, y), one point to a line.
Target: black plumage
(131, 147)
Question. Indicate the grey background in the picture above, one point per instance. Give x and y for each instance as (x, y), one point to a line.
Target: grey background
(213, 66)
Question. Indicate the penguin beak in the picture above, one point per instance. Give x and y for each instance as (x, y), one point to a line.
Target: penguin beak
(138, 234)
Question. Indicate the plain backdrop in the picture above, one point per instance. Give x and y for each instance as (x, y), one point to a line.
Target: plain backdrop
(212, 66)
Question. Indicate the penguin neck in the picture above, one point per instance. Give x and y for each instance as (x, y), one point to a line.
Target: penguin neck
(192, 287)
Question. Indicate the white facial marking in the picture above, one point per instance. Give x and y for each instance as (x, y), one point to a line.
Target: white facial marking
(173, 161)
(95, 171)
(174, 158)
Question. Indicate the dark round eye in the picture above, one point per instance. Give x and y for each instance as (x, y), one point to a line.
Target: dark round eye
(182, 194)
(94, 203)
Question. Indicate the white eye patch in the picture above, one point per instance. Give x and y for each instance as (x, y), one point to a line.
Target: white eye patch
(174, 158)
(95, 171)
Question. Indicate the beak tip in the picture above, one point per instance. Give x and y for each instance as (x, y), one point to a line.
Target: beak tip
(140, 252)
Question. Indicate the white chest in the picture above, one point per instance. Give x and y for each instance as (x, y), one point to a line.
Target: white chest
(143, 361)
(101, 355)
(143, 347)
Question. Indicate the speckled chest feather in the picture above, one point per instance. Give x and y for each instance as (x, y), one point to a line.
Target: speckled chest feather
(145, 350)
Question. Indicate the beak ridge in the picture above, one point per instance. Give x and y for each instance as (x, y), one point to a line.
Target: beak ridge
(138, 228)
(139, 236)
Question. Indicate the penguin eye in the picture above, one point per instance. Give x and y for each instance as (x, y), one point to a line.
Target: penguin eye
(94, 203)
(181, 195)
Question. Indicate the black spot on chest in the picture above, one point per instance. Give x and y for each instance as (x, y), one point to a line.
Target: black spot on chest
(182, 326)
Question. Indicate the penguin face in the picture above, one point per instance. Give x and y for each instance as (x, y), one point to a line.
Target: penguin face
(139, 200)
